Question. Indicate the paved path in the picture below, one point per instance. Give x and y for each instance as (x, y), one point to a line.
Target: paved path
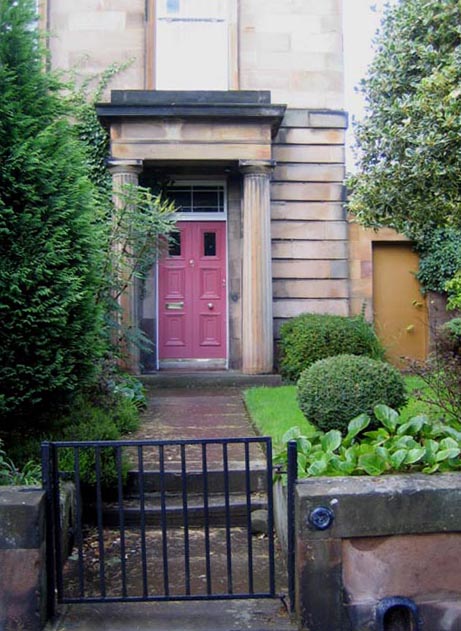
(174, 413)
(197, 412)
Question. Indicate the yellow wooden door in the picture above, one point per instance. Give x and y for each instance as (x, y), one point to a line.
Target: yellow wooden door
(400, 311)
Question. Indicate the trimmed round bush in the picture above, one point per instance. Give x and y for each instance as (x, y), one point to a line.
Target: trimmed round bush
(309, 337)
(335, 390)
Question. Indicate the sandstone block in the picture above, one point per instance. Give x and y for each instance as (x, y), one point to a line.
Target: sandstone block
(325, 211)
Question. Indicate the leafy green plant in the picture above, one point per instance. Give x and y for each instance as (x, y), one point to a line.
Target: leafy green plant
(409, 159)
(441, 373)
(310, 337)
(29, 475)
(100, 428)
(335, 389)
(439, 257)
(131, 388)
(396, 446)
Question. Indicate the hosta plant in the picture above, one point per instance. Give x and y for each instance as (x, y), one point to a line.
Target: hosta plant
(396, 446)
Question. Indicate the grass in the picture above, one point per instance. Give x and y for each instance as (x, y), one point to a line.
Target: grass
(274, 410)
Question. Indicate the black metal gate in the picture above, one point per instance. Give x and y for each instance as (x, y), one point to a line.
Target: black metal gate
(158, 520)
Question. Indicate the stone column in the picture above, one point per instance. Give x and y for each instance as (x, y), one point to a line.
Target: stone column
(257, 322)
(125, 172)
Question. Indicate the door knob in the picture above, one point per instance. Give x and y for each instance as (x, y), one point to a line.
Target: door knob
(210, 305)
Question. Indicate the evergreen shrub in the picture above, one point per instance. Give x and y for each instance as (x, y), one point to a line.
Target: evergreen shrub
(49, 243)
(334, 390)
(309, 337)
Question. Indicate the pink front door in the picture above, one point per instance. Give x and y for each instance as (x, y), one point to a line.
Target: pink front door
(192, 293)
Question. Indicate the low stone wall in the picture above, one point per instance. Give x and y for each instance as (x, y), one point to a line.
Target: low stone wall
(22, 559)
(388, 554)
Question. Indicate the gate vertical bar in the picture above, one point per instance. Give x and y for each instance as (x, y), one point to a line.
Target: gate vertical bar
(121, 520)
(270, 514)
(206, 515)
(292, 475)
(79, 522)
(166, 582)
(100, 525)
(248, 511)
(185, 511)
(230, 588)
(57, 522)
(142, 508)
(47, 484)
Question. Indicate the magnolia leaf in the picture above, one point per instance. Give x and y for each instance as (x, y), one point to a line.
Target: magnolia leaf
(386, 416)
(447, 454)
(304, 445)
(342, 467)
(378, 435)
(432, 469)
(413, 426)
(372, 464)
(318, 467)
(331, 440)
(355, 426)
(397, 458)
(448, 443)
(302, 461)
(406, 442)
(291, 434)
(413, 455)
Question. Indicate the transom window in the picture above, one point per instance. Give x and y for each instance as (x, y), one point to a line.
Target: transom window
(192, 45)
(198, 200)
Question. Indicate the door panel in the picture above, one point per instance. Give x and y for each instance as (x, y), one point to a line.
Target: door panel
(192, 293)
(400, 311)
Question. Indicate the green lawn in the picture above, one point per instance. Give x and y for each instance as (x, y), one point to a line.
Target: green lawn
(275, 410)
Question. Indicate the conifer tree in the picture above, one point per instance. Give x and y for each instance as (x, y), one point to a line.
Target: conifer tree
(49, 333)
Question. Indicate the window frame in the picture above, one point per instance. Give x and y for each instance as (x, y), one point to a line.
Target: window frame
(150, 79)
(211, 216)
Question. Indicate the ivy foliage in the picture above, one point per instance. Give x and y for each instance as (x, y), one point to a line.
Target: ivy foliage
(49, 243)
(440, 258)
(409, 153)
(133, 226)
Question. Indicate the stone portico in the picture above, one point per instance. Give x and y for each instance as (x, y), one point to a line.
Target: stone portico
(234, 136)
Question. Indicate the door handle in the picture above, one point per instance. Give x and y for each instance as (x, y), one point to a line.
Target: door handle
(210, 305)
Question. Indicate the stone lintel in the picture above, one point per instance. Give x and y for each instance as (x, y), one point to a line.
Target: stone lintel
(110, 113)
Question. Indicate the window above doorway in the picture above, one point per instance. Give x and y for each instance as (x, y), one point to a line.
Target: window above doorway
(198, 200)
(192, 45)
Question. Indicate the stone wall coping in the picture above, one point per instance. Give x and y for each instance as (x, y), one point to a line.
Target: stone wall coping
(21, 517)
(365, 506)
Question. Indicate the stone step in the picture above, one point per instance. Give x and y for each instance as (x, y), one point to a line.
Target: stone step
(207, 379)
(216, 481)
(174, 510)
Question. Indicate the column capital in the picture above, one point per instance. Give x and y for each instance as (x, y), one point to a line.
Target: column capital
(256, 167)
(124, 166)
